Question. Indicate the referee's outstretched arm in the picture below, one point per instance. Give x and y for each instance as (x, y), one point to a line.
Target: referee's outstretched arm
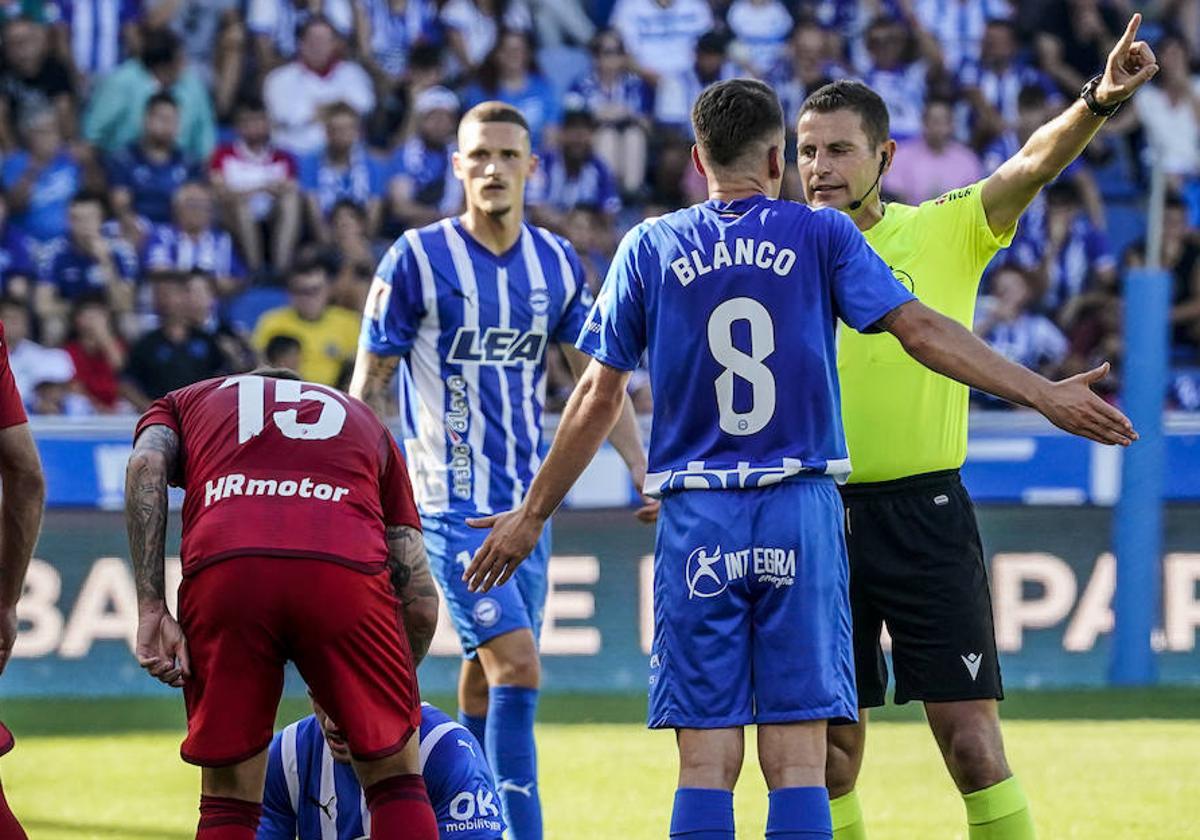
(1009, 190)
(945, 346)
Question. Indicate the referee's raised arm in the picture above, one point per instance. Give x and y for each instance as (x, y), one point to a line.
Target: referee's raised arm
(1010, 189)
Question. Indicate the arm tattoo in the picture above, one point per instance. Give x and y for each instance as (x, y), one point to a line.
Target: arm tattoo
(374, 380)
(412, 580)
(154, 458)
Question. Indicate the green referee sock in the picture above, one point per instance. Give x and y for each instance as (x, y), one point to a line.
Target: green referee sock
(847, 817)
(999, 812)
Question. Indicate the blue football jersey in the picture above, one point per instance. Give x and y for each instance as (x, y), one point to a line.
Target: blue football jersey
(310, 796)
(737, 303)
(474, 327)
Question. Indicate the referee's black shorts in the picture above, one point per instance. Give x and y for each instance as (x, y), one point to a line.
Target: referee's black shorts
(917, 564)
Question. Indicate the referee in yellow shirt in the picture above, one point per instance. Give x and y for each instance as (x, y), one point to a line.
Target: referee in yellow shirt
(915, 555)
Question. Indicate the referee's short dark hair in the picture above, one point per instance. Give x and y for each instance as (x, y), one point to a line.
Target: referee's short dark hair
(731, 116)
(847, 95)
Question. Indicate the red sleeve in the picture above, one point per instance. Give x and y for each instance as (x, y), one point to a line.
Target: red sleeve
(162, 412)
(395, 490)
(12, 410)
(217, 162)
(293, 168)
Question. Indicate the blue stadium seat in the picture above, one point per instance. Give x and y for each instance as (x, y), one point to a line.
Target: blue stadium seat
(243, 310)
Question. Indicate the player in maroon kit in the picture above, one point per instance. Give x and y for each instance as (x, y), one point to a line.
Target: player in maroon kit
(297, 508)
(22, 494)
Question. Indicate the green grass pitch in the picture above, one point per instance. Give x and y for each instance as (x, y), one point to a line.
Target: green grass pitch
(1096, 765)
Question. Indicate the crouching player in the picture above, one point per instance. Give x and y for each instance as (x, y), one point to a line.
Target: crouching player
(297, 506)
(312, 793)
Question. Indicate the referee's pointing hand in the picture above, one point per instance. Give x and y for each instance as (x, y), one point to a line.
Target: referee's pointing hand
(1072, 405)
(1130, 65)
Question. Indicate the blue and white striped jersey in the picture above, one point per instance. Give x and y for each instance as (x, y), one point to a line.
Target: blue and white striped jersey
(475, 326)
(735, 303)
(310, 796)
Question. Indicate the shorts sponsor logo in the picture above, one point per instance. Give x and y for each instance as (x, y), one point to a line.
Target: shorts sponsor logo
(773, 566)
(473, 811)
(941, 499)
(703, 580)
(486, 612)
(237, 484)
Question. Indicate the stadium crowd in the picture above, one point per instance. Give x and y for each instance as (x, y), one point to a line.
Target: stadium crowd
(188, 187)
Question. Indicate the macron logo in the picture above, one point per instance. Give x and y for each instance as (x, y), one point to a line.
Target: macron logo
(236, 484)
(972, 660)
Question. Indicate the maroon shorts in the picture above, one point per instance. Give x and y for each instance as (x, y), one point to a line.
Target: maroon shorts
(245, 617)
(6, 740)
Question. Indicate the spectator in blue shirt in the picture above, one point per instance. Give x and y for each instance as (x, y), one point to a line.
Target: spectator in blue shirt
(622, 103)
(342, 170)
(510, 74)
(423, 188)
(192, 242)
(572, 176)
(145, 174)
(85, 261)
(41, 179)
(17, 269)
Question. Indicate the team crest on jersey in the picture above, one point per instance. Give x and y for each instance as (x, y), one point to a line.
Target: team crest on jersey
(496, 346)
(539, 301)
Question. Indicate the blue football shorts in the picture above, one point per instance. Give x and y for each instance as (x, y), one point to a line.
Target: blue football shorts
(751, 608)
(478, 617)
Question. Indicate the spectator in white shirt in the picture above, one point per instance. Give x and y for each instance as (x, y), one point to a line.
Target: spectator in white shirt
(472, 27)
(257, 186)
(296, 92)
(677, 91)
(1169, 109)
(661, 35)
(760, 31)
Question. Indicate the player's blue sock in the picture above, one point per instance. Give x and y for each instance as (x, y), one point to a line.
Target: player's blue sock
(799, 813)
(703, 814)
(477, 726)
(512, 753)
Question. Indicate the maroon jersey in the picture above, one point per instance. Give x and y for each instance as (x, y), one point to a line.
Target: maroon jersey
(283, 468)
(12, 411)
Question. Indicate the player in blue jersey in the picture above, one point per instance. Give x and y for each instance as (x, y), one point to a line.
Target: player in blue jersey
(473, 302)
(313, 794)
(736, 300)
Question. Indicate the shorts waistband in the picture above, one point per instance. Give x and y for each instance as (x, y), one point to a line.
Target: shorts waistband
(907, 484)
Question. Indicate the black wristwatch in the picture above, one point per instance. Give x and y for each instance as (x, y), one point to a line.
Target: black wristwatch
(1088, 95)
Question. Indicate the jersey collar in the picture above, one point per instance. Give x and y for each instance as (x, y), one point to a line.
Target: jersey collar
(737, 207)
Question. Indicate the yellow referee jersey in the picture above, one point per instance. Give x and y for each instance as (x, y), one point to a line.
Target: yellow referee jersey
(901, 418)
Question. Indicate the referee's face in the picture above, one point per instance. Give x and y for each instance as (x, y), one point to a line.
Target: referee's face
(837, 161)
(493, 161)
